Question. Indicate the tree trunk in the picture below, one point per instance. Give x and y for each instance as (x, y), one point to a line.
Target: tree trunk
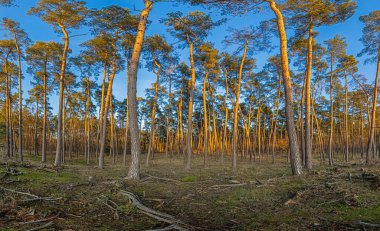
(308, 131)
(58, 154)
(346, 118)
(101, 109)
(371, 138)
(134, 171)
(205, 123)
(189, 132)
(293, 142)
(153, 119)
(226, 119)
(19, 97)
(236, 108)
(45, 115)
(126, 138)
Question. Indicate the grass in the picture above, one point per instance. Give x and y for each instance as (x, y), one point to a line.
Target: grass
(322, 199)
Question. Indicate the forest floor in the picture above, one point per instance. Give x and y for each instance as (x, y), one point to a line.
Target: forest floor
(259, 196)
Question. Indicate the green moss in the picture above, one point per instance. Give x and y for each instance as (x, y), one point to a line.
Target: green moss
(127, 208)
(189, 179)
(349, 213)
(77, 162)
(37, 178)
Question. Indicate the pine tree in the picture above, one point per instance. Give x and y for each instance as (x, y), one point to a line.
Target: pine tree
(371, 42)
(63, 15)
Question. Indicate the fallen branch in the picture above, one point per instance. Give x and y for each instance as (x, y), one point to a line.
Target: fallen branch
(10, 172)
(42, 226)
(368, 224)
(162, 178)
(168, 228)
(113, 207)
(39, 221)
(227, 185)
(175, 223)
(33, 197)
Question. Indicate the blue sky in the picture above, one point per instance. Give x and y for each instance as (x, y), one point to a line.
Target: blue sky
(38, 30)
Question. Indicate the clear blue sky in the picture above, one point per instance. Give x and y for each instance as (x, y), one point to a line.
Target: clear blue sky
(38, 30)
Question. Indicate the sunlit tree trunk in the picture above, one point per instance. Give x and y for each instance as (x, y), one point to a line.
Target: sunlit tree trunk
(189, 131)
(331, 114)
(7, 109)
(346, 131)
(205, 123)
(236, 108)
(44, 123)
(308, 131)
(153, 119)
(371, 138)
(101, 109)
(292, 135)
(60, 144)
(19, 69)
(226, 117)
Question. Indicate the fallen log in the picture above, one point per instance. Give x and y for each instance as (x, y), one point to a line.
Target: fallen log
(175, 223)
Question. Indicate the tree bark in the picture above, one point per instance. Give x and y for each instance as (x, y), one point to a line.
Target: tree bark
(153, 119)
(331, 113)
(236, 108)
(43, 154)
(134, 171)
(189, 132)
(205, 123)
(371, 138)
(292, 135)
(308, 132)
(58, 154)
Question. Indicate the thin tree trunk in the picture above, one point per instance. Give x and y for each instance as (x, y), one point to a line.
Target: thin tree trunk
(19, 97)
(189, 132)
(153, 119)
(331, 114)
(308, 131)
(205, 123)
(235, 128)
(58, 154)
(45, 115)
(371, 138)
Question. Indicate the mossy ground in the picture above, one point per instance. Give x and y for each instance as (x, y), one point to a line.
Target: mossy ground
(267, 197)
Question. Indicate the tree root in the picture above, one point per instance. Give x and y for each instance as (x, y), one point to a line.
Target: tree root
(175, 223)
